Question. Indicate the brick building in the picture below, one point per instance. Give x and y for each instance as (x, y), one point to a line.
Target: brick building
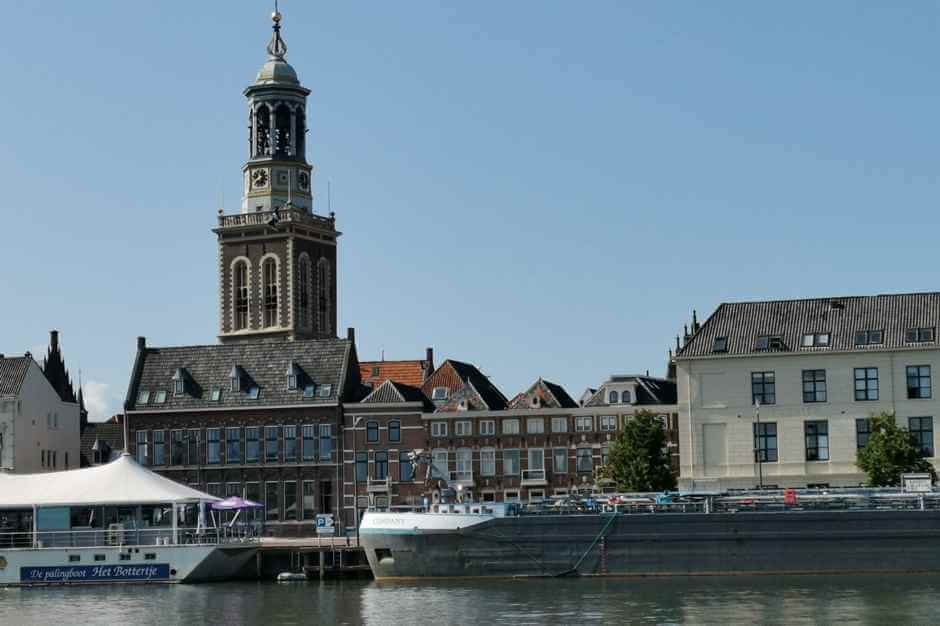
(412, 373)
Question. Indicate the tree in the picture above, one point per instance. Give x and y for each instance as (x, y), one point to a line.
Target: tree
(890, 452)
(637, 460)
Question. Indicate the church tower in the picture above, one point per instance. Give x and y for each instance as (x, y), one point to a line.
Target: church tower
(277, 259)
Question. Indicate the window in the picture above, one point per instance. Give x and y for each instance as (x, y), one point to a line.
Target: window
(559, 424)
(511, 427)
(919, 335)
(309, 443)
(372, 432)
(179, 387)
(869, 337)
(252, 445)
(487, 427)
(560, 461)
(608, 422)
(440, 393)
(816, 340)
(535, 425)
(862, 432)
(814, 385)
(290, 444)
(215, 395)
(406, 471)
(310, 391)
(464, 464)
(511, 496)
(303, 291)
(921, 429)
(381, 465)
(159, 449)
(439, 468)
(362, 466)
(271, 451)
(605, 454)
(214, 449)
(510, 462)
(159, 397)
(325, 391)
(254, 392)
(817, 441)
(232, 445)
(270, 293)
(177, 451)
(142, 452)
(143, 397)
(763, 388)
(272, 509)
(585, 460)
(376, 371)
(394, 431)
(918, 381)
(192, 446)
(309, 512)
(438, 429)
(326, 442)
(769, 342)
(236, 381)
(583, 424)
(866, 383)
(290, 501)
(253, 492)
(240, 291)
(487, 462)
(613, 398)
(463, 429)
(720, 344)
(765, 442)
(324, 303)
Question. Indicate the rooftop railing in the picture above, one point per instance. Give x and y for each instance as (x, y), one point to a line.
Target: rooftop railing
(270, 218)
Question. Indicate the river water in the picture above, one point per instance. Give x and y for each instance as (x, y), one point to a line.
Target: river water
(893, 599)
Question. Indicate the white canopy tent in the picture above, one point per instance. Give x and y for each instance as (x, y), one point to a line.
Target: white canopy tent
(118, 483)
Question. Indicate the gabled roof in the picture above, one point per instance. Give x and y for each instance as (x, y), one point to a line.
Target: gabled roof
(391, 392)
(648, 389)
(110, 433)
(842, 317)
(323, 362)
(551, 396)
(465, 382)
(406, 372)
(12, 374)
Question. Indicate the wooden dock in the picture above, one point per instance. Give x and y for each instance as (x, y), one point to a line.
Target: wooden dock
(336, 557)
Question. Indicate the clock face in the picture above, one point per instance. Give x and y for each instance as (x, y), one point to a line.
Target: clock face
(259, 178)
(304, 180)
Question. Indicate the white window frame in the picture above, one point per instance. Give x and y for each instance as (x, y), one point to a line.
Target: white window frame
(608, 422)
(507, 498)
(440, 469)
(440, 393)
(511, 426)
(438, 429)
(463, 428)
(464, 463)
(537, 422)
(487, 427)
(517, 467)
(584, 423)
(555, 468)
(559, 424)
(487, 461)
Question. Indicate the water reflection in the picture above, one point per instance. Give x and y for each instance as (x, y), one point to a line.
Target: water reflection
(898, 599)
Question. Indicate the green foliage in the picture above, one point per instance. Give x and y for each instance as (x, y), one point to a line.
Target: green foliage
(637, 460)
(890, 452)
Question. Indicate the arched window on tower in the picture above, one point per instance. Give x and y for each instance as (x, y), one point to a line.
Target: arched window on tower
(269, 271)
(303, 290)
(323, 296)
(282, 131)
(240, 294)
(300, 130)
(262, 130)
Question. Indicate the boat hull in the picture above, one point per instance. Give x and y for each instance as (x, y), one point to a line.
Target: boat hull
(651, 545)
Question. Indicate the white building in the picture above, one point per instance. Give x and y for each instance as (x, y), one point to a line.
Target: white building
(38, 431)
(818, 368)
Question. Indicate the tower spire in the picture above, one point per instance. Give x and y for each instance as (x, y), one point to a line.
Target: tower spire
(277, 49)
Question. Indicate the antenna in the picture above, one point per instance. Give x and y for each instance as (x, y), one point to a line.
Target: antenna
(329, 196)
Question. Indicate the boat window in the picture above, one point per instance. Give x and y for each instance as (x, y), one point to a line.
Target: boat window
(125, 556)
(74, 558)
(150, 556)
(99, 557)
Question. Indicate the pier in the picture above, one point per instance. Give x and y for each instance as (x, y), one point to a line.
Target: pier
(317, 557)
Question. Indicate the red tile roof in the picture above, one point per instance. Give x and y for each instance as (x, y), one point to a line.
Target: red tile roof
(411, 373)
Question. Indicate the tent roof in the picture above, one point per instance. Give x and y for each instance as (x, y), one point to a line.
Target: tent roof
(122, 481)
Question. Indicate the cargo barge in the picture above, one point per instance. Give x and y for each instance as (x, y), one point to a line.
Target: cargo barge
(806, 532)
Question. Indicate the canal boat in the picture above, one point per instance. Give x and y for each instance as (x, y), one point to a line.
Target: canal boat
(762, 532)
(112, 523)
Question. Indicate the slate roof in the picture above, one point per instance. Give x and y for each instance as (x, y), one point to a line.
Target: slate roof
(465, 382)
(265, 365)
(406, 372)
(393, 392)
(108, 432)
(649, 390)
(12, 374)
(842, 317)
(552, 396)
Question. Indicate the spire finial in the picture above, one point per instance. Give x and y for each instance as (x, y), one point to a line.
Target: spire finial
(277, 49)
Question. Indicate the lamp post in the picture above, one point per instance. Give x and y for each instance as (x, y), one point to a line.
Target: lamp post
(757, 449)
(356, 422)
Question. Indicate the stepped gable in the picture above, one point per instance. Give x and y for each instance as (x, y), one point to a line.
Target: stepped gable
(53, 366)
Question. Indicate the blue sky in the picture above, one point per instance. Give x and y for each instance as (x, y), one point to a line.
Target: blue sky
(540, 188)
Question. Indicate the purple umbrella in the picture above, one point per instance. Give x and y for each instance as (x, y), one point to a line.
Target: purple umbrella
(233, 503)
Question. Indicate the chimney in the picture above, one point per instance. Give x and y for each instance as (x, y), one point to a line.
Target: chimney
(141, 344)
(429, 357)
(351, 334)
(695, 324)
(54, 339)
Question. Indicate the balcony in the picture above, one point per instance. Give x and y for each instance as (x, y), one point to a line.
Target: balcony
(463, 479)
(284, 215)
(534, 478)
(379, 485)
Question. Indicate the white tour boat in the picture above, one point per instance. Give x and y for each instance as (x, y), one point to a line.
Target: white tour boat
(112, 523)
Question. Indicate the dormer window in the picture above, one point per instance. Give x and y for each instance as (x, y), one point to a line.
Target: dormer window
(235, 376)
(440, 393)
(325, 391)
(769, 342)
(254, 392)
(720, 344)
(179, 381)
(215, 395)
(143, 397)
(293, 377)
(159, 397)
(869, 337)
(375, 371)
(625, 397)
(310, 390)
(815, 340)
(613, 398)
(919, 335)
